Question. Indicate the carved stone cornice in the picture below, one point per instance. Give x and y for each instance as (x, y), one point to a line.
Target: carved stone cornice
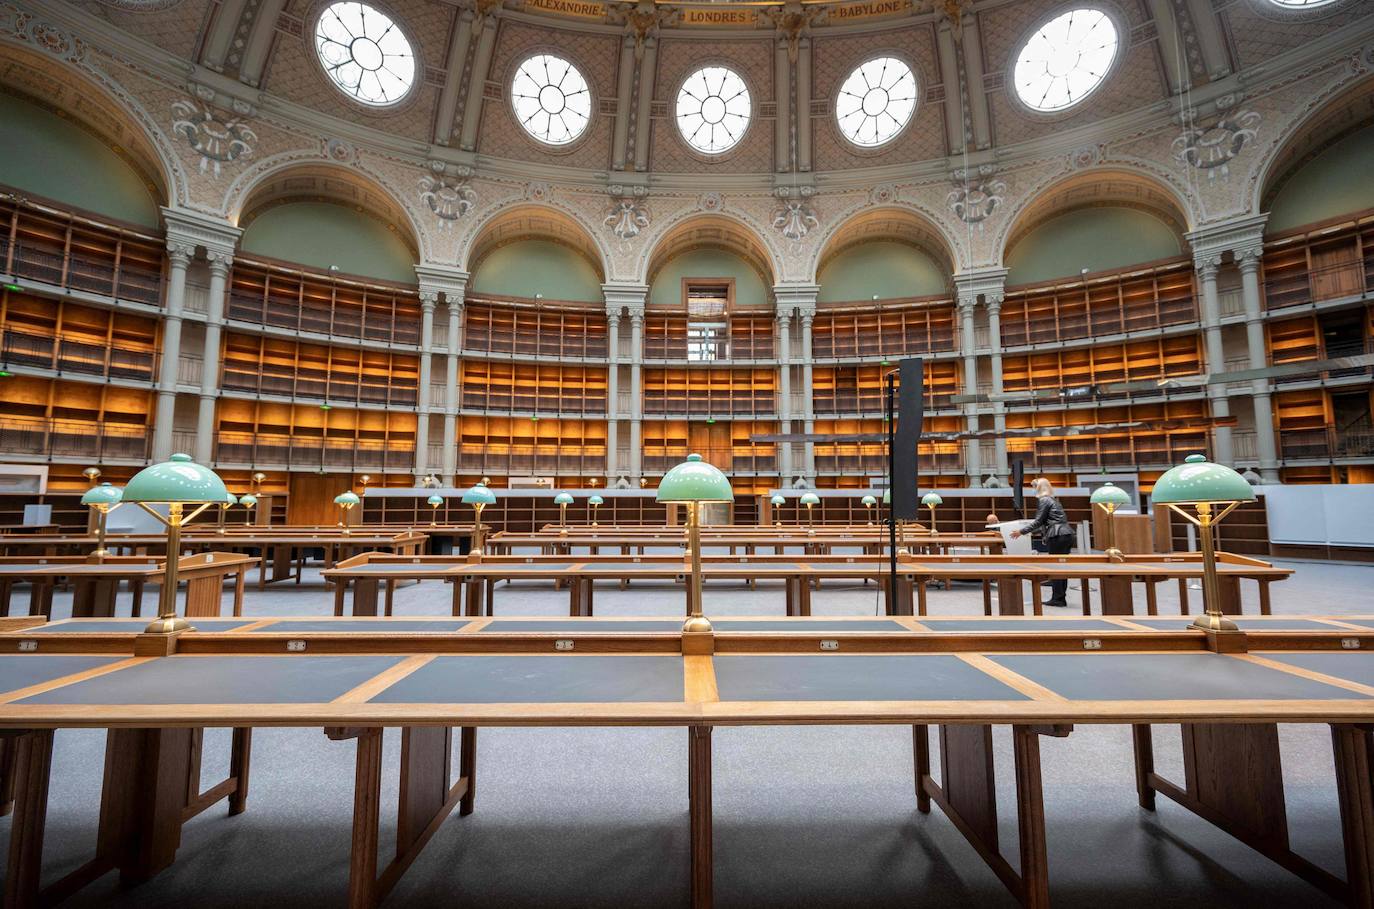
(982, 282)
(1237, 236)
(193, 229)
(629, 297)
(445, 279)
(798, 298)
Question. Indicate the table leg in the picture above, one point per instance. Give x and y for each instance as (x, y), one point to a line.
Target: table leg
(364, 596)
(1354, 752)
(40, 597)
(467, 766)
(239, 581)
(920, 746)
(1151, 601)
(33, 772)
(1142, 741)
(804, 596)
(788, 585)
(339, 585)
(1010, 598)
(1117, 598)
(987, 597)
(1183, 597)
(390, 595)
(367, 805)
(1264, 596)
(699, 808)
(1036, 595)
(6, 588)
(922, 601)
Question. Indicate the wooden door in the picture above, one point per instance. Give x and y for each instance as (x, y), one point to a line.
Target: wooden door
(312, 499)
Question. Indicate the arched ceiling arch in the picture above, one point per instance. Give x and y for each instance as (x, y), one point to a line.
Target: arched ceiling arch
(1099, 188)
(1347, 113)
(63, 91)
(317, 182)
(534, 222)
(712, 231)
(890, 223)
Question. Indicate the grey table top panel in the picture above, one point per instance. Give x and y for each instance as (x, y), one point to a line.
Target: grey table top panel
(1363, 621)
(1351, 667)
(127, 626)
(1014, 624)
(1163, 677)
(541, 679)
(521, 569)
(225, 680)
(365, 626)
(20, 671)
(670, 565)
(1244, 624)
(582, 626)
(804, 625)
(401, 569)
(881, 677)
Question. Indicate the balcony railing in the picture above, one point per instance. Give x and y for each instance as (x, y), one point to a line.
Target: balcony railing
(336, 390)
(122, 282)
(876, 462)
(49, 439)
(727, 459)
(1328, 443)
(530, 460)
(296, 453)
(68, 355)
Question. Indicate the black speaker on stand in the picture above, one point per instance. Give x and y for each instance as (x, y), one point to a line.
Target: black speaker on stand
(905, 413)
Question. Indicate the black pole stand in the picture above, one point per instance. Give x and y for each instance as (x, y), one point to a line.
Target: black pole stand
(891, 470)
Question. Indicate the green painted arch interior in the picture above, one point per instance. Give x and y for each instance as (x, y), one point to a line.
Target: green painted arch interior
(1093, 238)
(48, 156)
(321, 234)
(888, 268)
(1335, 182)
(528, 268)
(707, 262)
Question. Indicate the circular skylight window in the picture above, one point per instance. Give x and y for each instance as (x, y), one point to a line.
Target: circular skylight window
(1065, 60)
(1301, 4)
(551, 99)
(713, 109)
(364, 53)
(876, 101)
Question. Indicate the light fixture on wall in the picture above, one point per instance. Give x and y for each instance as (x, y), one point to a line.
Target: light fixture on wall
(258, 478)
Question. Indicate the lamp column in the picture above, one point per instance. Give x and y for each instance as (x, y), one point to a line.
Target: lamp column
(1206, 267)
(784, 393)
(1266, 446)
(219, 261)
(178, 259)
(429, 299)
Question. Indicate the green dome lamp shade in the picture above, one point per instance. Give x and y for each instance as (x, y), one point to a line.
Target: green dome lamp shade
(932, 501)
(224, 510)
(479, 497)
(563, 500)
(1203, 493)
(1109, 497)
(102, 500)
(595, 502)
(434, 502)
(868, 502)
(346, 501)
(178, 483)
(249, 502)
(810, 500)
(691, 483)
(777, 502)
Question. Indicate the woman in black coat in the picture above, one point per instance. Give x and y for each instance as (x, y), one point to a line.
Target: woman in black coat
(1055, 532)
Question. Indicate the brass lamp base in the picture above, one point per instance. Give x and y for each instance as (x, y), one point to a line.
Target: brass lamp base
(1214, 623)
(698, 624)
(168, 626)
(1115, 555)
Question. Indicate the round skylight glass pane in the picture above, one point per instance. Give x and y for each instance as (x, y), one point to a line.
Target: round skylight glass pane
(551, 99)
(1065, 60)
(876, 101)
(364, 53)
(1301, 4)
(713, 109)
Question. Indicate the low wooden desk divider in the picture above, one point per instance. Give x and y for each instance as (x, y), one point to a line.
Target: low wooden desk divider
(354, 676)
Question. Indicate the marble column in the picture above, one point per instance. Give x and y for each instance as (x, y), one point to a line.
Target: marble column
(178, 259)
(1216, 358)
(1266, 446)
(219, 261)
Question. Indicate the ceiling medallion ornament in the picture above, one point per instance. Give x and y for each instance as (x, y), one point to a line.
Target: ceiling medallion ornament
(711, 201)
(976, 196)
(217, 140)
(1213, 148)
(795, 219)
(627, 218)
(447, 198)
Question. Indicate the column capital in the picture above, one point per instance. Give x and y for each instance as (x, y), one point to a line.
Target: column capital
(993, 303)
(429, 298)
(625, 296)
(219, 260)
(194, 229)
(1207, 266)
(180, 253)
(1248, 259)
(444, 279)
(1234, 235)
(981, 282)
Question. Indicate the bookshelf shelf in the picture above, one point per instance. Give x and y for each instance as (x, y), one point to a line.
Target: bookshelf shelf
(303, 437)
(516, 446)
(870, 458)
(890, 329)
(258, 364)
(496, 386)
(1157, 358)
(279, 296)
(526, 328)
(54, 419)
(842, 390)
(710, 391)
(727, 445)
(1141, 300)
(66, 337)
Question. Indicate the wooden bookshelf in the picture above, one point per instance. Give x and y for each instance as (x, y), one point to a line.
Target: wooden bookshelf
(258, 364)
(65, 337)
(500, 386)
(1304, 420)
(855, 459)
(890, 328)
(1071, 453)
(43, 419)
(1156, 358)
(522, 446)
(42, 241)
(538, 329)
(281, 296)
(749, 336)
(710, 391)
(843, 390)
(304, 437)
(1139, 300)
(1244, 532)
(726, 444)
(1328, 260)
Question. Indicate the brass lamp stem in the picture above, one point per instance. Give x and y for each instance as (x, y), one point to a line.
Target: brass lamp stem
(101, 552)
(248, 517)
(167, 620)
(810, 522)
(932, 519)
(219, 527)
(696, 621)
(563, 519)
(477, 530)
(1113, 554)
(1211, 589)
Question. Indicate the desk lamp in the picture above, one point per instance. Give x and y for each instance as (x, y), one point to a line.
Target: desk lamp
(478, 497)
(868, 503)
(1211, 491)
(434, 502)
(223, 510)
(1109, 497)
(178, 483)
(346, 501)
(932, 501)
(595, 502)
(810, 500)
(563, 500)
(102, 499)
(777, 502)
(691, 483)
(248, 501)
